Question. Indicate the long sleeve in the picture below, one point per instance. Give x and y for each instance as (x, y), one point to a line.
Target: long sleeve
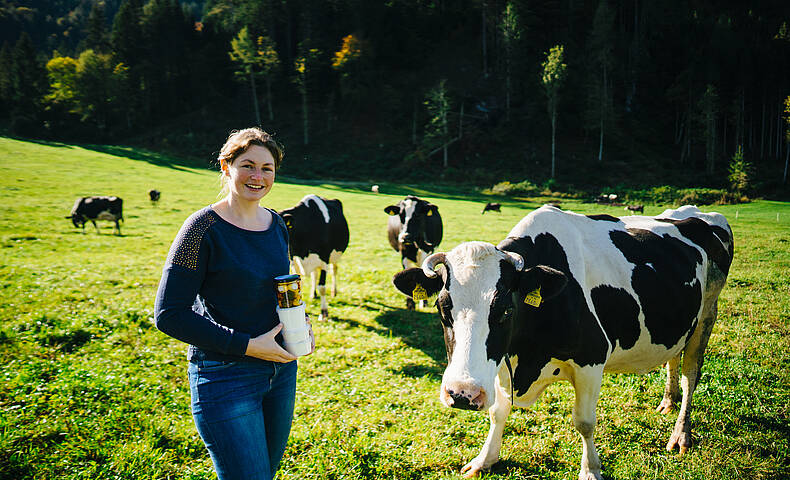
(182, 279)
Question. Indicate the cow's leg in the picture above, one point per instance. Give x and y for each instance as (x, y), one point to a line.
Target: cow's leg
(587, 385)
(693, 356)
(333, 266)
(671, 391)
(322, 293)
(313, 284)
(498, 414)
(421, 256)
(117, 227)
(96, 227)
(406, 265)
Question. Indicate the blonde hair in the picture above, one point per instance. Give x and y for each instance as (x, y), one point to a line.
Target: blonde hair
(239, 141)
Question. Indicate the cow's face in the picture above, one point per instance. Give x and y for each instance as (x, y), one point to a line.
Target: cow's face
(478, 290)
(412, 213)
(77, 220)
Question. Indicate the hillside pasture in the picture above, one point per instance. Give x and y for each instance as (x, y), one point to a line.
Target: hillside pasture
(89, 389)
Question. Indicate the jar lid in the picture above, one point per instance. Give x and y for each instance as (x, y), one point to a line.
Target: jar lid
(286, 278)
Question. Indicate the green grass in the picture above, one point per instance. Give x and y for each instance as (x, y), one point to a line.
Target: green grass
(90, 389)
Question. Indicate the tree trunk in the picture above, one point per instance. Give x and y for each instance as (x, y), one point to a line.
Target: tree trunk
(255, 99)
(762, 135)
(483, 38)
(304, 117)
(269, 98)
(787, 156)
(414, 125)
(603, 113)
(553, 136)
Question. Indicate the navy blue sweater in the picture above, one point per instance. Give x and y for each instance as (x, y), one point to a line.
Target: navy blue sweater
(217, 288)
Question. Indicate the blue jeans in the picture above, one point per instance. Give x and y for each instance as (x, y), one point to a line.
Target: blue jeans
(243, 412)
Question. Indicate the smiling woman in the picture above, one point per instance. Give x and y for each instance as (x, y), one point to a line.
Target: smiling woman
(217, 294)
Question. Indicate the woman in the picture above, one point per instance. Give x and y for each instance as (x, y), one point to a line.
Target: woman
(217, 294)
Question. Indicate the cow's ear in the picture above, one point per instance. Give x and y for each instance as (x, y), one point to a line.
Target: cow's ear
(540, 283)
(288, 219)
(432, 209)
(414, 283)
(392, 210)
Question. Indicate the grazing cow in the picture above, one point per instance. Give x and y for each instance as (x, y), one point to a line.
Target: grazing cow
(318, 236)
(606, 198)
(569, 297)
(491, 207)
(635, 208)
(154, 195)
(374, 189)
(415, 230)
(97, 208)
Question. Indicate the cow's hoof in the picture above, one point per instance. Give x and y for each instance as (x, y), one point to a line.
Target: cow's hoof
(682, 440)
(473, 468)
(590, 475)
(324, 315)
(665, 406)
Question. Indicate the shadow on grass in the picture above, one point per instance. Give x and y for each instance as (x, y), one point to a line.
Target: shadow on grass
(158, 159)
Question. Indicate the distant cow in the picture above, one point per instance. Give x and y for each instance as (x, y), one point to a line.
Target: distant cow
(374, 189)
(491, 207)
(154, 195)
(606, 198)
(569, 297)
(636, 208)
(415, 230)
(97, 208)
(318, 236)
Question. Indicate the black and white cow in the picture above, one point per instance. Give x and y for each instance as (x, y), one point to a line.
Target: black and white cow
(318, 236)
(569, 297)
(97, 208)
(491, 207)
(415, 230)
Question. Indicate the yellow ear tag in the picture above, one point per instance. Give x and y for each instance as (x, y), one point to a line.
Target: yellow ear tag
(430, 212)
(533, 298)
(419, 293)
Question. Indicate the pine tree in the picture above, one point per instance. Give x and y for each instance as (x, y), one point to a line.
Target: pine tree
(510, 35)
(243, 51)
(96, 29)
(5, 78)
(600, 110)
(28, 84)
(552, 78)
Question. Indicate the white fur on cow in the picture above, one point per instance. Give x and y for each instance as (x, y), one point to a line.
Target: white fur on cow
(569, 297)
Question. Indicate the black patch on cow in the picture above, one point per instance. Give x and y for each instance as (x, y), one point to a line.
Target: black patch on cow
(424, 230)
(308, 231)
(562, 327)
(500, 317)
(619, 315)
(664, 278)
(709, 238)
(604, 217)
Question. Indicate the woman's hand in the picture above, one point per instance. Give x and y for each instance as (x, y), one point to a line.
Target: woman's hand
(266, 348)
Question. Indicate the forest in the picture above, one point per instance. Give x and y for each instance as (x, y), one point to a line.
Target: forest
(552, 94)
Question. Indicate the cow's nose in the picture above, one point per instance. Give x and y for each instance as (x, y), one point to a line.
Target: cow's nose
(467, 396)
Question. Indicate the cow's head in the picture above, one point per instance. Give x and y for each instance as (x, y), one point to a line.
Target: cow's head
(481, 304)
(413, 213)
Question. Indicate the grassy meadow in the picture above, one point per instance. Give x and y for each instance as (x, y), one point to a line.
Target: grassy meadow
(89, 389)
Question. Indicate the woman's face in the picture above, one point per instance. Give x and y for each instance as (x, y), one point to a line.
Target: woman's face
(251, 175)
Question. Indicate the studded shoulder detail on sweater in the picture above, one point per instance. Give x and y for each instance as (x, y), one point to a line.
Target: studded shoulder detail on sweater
(186, 247)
